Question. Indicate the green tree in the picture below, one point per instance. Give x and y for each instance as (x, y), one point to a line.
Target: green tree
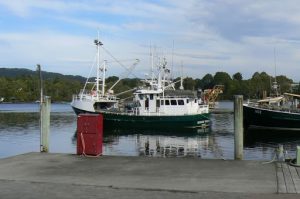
(207, 81)
(237, 76)
(189, 83)
(223, 78)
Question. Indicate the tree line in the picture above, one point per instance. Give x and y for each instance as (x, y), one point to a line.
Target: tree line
(25, 88)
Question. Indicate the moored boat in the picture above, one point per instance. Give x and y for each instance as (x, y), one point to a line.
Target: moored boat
(155, 105)
(281, 113)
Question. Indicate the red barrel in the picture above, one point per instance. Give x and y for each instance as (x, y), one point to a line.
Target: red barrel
(89, 134)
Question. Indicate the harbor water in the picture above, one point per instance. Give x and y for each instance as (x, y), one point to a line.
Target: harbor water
(19, 133)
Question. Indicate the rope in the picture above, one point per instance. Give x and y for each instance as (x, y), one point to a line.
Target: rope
(292, 163)
(273, 160)
(83, 148)
(287, 158)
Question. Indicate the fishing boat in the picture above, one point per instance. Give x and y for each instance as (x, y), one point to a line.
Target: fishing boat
(97, 99)
(278, 112)
(157, 104)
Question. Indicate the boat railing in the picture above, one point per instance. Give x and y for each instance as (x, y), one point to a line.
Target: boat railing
(278, 108)
(82, 97)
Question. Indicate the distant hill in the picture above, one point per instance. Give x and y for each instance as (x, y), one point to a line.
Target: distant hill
(17, 72)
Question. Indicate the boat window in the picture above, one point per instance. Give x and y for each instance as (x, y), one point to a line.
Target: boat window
(141, 96)
(180, 102)
(195, 100)
(157, 103)
(147, 103)
(167, 102)
(162, 102)
(187, 101)
(151, 96)
(173, 102)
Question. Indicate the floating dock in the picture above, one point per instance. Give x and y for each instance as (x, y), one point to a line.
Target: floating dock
(43, 175)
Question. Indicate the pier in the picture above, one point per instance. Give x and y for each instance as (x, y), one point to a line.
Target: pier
(44, 175)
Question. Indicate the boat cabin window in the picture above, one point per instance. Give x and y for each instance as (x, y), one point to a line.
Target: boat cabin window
(180, 102)
(151, 96)
(187, 101)
(173, 102)
(195, 100)
(157, 103)
(162, 102)
(141, 96)
(167, 102)
(147, 103)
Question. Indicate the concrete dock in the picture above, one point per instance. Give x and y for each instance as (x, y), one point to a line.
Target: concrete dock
(42, 175)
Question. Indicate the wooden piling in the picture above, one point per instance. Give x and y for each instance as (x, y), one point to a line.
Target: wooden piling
(298, 156)
(238, 127)
(45, 123)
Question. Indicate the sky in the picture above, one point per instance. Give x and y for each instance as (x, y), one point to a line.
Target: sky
(204, 36)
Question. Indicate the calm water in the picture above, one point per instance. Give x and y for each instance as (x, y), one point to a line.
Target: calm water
(19, 133)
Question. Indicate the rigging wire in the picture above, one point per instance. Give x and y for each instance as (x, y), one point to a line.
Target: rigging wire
(128, 70)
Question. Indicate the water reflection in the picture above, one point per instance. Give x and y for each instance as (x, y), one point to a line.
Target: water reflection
(19, 133)
(162, 146)
(187, 142)
(269, 140)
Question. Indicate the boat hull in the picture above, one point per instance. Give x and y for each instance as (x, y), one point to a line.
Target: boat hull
(120, 120)
(272, 119)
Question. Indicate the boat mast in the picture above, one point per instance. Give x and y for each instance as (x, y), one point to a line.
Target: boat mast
(275, 85)
(152, 65)
(172, 61)
(181, 78)
(98, 44)
(103, 77)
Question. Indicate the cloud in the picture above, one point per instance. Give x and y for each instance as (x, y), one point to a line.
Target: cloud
(232, 36)
(235, 19)
(89, 23)
(140, 26)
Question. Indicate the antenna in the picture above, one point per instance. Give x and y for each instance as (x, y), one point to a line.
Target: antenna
(152, 62)
(275, 62)
(172, 61)
(181, 78)
(275, 85)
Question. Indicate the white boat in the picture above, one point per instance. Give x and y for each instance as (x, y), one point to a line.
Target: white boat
(96, 99)
(155, 105)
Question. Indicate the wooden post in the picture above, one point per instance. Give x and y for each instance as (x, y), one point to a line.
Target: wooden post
(45, 106)
(238, 127)
(45, 123)
(298, 156)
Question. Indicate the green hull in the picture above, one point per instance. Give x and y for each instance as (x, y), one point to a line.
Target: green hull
(118, 120)
(156, 122)
(265, 118)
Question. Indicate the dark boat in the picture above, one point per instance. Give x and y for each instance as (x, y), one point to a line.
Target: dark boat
(282, 113)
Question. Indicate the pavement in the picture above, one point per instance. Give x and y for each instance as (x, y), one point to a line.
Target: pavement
(42, 175)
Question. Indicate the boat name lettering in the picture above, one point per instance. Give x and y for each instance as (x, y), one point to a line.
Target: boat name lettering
(258, 111)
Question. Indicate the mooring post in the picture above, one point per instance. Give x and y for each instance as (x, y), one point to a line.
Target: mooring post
(238, 127)
(45, 123)
(298, 155)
